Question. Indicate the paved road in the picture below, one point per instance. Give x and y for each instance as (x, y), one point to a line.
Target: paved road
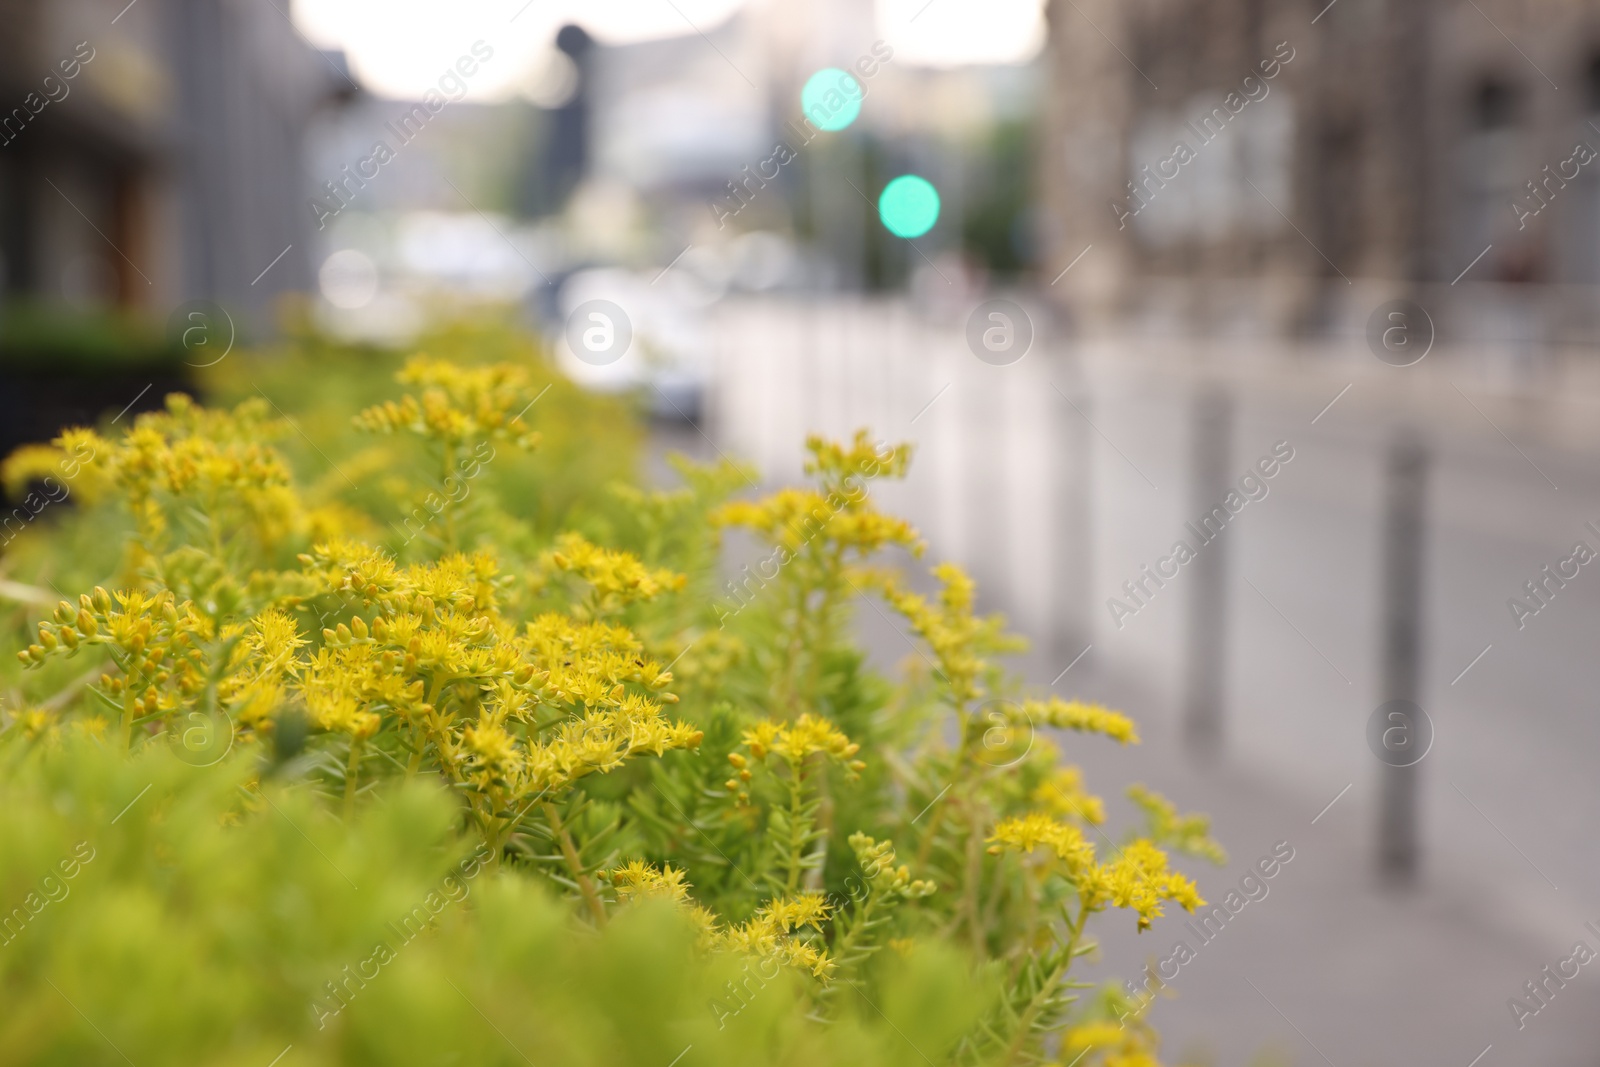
(1057, 478)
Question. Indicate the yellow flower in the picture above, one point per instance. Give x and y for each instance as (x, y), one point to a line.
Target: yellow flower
(769, 934)
(876, 859)
(494, 748)
(809, 735)
(805, 909)
(1096, 1034)
(1026, 833)
(1082, 717)
(959, 639)
(794, 519)
(861, 458)
(1101, 1043)
(1139, 880)
(1063, 794)
(618, 578)
(1187, 833)
(458, 404)
(639, 880)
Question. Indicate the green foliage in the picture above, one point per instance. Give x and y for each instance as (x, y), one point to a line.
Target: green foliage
(209, 917)
(42, 335)
(369, 647)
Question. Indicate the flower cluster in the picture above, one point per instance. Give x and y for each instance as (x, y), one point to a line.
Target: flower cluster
(785, 930)
(959, 639)
(806, 736)
(639, 880)
(426, 663)
(838, 463)
(791, 519)
(156, 644)
(458, 405)
(1103, 1043)
(193, 475)
(1187, 833)
(793, 744)
(1026, 833)
(876, 859)
(1082, 717)
(617, 579)
(773, 933)
(1063, 794)
(515, 713)
(1137, 879)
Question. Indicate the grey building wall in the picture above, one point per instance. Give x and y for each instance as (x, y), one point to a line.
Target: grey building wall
(170, 167)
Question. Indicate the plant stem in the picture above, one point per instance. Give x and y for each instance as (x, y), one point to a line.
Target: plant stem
(449, 517)
(795, 859)
(420, 736)
(1036, 1002)
(974, 879)
(569, 852)
(846, 944)
(824, 823)
(791, 694)
(925, 847)
(128, 714)
(352, 773)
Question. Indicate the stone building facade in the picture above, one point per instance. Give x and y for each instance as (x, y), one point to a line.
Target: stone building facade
(1239, 166)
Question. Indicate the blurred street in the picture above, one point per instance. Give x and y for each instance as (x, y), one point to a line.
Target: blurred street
(1056, 478)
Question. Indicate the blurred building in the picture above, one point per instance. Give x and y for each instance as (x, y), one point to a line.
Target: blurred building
(150, 153)
(1243, 166)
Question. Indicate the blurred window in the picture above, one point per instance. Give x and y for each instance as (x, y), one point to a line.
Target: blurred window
(1496, 105)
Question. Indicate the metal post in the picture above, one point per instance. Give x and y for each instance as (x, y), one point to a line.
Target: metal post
(986, 530)
(1074, 557)
(1404, 504)
(1208, 604)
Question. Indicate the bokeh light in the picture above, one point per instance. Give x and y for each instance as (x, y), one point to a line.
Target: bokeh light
(831, 99)
(909, 206)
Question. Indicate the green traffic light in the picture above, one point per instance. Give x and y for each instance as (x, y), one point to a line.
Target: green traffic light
(831, 99)
(909, 206)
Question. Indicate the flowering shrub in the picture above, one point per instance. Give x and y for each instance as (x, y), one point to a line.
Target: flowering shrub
(668, 806)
